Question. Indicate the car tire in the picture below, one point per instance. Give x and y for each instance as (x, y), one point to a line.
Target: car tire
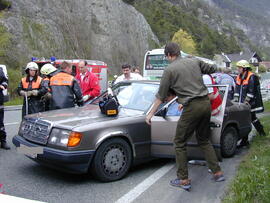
(228, 141)
(112, 160)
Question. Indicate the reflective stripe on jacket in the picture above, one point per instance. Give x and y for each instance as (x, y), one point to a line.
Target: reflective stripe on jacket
(249, 86)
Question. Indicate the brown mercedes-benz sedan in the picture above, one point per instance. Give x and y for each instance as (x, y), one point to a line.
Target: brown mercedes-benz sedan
(82, 139)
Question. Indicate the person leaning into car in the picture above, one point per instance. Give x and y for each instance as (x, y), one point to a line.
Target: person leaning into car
(184, 76)
(65, 89)
(31, 88)
(247, 91)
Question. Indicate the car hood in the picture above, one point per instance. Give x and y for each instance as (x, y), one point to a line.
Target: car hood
(78, 116)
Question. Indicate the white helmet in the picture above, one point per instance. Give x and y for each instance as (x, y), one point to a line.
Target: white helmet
(47, 69)
(31, 66)
(243, 64)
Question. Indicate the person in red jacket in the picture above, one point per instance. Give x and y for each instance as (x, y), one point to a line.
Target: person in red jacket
(88, 82)
(213, 94)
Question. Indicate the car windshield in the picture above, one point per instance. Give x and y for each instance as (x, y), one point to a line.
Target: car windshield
(137, 96)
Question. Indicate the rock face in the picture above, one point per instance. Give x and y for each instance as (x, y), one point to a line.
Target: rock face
(106, 30)
(252, 17)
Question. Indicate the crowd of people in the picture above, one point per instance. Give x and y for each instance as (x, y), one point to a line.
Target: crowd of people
(57, 89)
(54, 87)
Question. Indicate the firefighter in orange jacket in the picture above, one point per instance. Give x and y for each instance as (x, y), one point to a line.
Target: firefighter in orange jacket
(65, 89)
(248, 91)
(31, 89)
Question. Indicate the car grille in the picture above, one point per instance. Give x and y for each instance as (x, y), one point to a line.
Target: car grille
(37, 131)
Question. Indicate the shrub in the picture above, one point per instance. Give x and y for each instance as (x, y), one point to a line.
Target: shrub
(4, 4)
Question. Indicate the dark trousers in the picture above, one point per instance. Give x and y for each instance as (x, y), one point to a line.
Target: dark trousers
(257, 125)
(195, 117)
(3, 134)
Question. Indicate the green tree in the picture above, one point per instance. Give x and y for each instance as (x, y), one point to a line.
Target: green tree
(185, 41)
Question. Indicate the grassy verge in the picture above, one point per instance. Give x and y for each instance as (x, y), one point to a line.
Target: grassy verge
(267, 106)
(14, 101)
(252, 182)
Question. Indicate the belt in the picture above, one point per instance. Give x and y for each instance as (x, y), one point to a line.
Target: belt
(194, 99)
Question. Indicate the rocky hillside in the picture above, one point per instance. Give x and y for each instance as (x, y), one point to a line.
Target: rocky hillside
(249, 17)
(119, 31)
(111, 31)
(244, 22)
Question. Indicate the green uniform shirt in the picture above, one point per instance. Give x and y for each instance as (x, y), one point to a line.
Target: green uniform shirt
(184, 76)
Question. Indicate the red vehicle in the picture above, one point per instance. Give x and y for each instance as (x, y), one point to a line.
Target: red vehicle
(98, 67)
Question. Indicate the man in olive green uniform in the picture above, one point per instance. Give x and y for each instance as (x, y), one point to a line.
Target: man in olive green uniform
(184, 76)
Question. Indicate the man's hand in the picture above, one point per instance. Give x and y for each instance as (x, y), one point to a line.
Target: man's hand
(247, 102)
(180, 107)
(35, 92)
(235, 99)
(46, 97)
(29, 93)
(86, 97)
(157, 102)
(2, 87)
(148, 118)
(23, 93)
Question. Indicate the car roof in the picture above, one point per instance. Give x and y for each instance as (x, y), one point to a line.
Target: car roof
(141, 81)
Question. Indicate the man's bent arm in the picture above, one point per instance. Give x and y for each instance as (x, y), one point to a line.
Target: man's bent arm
(153, 111)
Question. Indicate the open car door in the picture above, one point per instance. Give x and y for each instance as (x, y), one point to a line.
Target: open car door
(163, 130)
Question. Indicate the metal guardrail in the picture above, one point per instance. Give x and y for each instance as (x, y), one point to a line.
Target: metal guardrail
(265, 94)
(13, 108)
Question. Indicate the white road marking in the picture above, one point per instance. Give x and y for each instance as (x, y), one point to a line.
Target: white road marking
(143, 186)
(9, 198)
(15, 123)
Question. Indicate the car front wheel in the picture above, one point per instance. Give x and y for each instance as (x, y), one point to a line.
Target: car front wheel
(112, 160)
(229, 140)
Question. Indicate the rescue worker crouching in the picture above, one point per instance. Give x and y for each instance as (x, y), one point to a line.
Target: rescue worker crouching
(248, 91)
(65, 90)
(31, 89)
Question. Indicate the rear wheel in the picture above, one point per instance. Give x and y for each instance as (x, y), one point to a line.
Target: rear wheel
(112, 160)
(228, 141)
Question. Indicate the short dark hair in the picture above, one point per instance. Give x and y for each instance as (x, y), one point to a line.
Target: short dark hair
(171, 92)
(172, 48)
(65, 65)
(126, 66)
(135, 68)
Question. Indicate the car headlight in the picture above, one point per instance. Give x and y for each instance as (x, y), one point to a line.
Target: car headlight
(64, 138)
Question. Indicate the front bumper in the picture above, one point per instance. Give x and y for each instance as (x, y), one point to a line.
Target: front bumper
(68, 161)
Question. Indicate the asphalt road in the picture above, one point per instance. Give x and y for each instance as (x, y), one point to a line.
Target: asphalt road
(149, 182)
